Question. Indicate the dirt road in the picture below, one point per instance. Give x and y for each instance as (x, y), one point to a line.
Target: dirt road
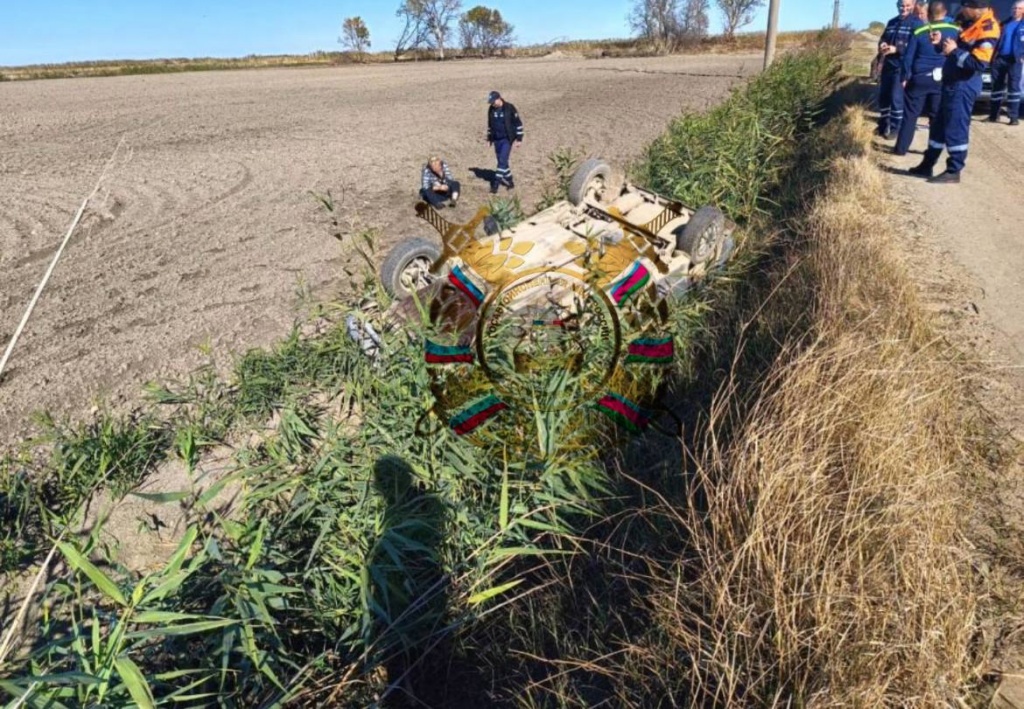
(203, 235)
(975, 231)
(964, 245)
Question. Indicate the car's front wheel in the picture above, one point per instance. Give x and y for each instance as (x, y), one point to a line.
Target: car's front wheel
(406, 268)
(703, 234)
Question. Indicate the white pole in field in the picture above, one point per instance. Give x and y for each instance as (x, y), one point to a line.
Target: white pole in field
(773, 31)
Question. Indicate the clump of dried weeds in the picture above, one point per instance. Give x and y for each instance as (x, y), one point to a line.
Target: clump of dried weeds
(827, 561)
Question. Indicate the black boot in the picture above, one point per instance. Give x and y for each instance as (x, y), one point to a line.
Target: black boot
(511, 183)
(946, 178)
(922, 170)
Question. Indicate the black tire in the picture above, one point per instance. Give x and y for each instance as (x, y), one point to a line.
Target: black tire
(406, 267)
(491, 226)
(703, 234)
(590, 171)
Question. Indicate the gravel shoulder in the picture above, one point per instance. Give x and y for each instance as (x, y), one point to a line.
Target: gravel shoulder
(200, 240)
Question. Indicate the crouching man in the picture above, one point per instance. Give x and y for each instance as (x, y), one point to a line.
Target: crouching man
(438, 185)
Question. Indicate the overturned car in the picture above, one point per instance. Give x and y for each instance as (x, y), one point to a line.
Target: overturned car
(568, 309)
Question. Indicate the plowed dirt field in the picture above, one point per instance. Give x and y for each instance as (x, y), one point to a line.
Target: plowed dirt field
(206, 226)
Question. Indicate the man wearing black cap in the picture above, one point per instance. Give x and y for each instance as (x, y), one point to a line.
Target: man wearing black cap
(966, 58)
(504, 130)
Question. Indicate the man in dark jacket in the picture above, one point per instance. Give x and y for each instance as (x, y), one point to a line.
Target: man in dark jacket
(966, 58)
(1007, 65)
(504, 130)
(922, 73)
(893, 46)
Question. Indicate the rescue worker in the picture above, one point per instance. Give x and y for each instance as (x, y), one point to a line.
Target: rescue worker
(1006, 67)
(893, 44)
(504, 130)
(966, 58)
(922, 67)
(437, 184)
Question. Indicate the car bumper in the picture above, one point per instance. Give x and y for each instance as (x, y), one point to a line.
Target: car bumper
(985, 96)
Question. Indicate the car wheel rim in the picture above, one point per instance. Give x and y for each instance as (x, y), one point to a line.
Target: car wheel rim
(706, 243)
(416, 274)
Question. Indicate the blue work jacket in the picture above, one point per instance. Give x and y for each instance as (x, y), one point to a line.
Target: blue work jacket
(899, 32)
(923, 57)
(1011, 40)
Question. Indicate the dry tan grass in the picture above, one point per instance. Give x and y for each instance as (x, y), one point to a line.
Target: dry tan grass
(829, 563)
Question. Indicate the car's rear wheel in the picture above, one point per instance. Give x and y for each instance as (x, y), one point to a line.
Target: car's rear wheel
(592, 181)
(703, 234)
(406, 268)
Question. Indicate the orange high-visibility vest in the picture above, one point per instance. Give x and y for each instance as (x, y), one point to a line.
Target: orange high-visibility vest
(980, 39)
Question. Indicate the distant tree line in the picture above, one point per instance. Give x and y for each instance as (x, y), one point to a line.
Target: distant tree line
(670, 24)
(437, 25)
(432, 25)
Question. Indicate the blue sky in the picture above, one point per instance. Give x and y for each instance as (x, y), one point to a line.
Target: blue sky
(77, 30)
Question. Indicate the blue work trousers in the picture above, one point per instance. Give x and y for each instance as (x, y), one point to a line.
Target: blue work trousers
(951, 132)
(437, 199)
(923, 98)
(1006, 87)
(503, 150)
(890, 100)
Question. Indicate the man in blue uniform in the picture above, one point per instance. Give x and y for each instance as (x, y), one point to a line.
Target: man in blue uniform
(504, 130)
(1006, 67)
(893, 45)
(966, 58)
(922, 71)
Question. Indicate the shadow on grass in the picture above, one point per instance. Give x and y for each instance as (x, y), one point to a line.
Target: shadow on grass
(408, 594)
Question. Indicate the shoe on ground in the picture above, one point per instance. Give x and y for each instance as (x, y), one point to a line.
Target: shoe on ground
(1015, 122)
(992, 119)
(511, 185)
(494, 188)
(946, 178)
(920, 171)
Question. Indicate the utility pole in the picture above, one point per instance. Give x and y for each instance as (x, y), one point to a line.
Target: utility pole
(835, 16)
(773, 31)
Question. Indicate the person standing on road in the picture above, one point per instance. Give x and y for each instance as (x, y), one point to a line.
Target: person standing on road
(1007, 67)
(504, 130)
(437, 184)
(893, 45)
(922, 67)
(966, 58)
